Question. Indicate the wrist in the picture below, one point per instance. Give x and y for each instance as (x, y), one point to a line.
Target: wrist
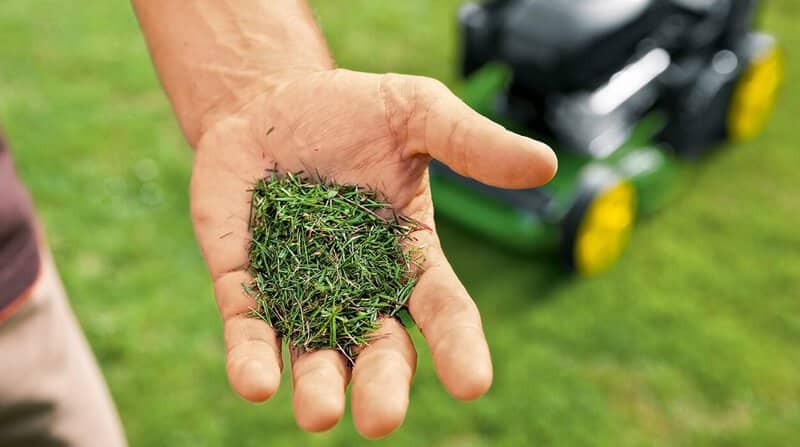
(236, 96)
(213, 57)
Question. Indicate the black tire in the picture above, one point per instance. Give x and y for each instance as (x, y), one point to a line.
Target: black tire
(700, 118)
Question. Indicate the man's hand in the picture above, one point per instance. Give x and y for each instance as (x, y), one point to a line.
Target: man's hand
(374, 130)
(371, 130)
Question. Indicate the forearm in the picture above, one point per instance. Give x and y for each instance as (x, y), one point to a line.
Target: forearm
(211, 56)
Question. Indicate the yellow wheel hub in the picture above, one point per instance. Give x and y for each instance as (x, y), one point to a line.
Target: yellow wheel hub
(754, 96)
(605, 229)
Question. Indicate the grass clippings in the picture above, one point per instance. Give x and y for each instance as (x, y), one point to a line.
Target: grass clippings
(326, 262)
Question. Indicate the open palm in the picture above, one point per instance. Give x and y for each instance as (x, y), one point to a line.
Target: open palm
(373, 130)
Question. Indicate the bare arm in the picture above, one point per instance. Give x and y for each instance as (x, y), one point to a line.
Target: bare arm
(212, 56)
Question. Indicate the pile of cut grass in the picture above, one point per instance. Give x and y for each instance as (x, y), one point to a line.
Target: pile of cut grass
(325, 261)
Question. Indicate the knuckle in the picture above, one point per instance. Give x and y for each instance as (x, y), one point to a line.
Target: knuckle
(323, 366)
(431, 85)
(387, 362)
(324, 374)
(453, 336)
(442, 302)
(399, 104)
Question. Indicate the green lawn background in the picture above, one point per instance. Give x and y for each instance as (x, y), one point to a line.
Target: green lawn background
(693, 339)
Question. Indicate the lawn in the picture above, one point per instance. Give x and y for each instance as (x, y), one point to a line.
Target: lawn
(693, 339)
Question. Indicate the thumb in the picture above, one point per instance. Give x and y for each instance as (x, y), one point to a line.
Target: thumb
(439, 124)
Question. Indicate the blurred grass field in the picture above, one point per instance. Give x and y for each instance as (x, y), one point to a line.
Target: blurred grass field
(693, 339)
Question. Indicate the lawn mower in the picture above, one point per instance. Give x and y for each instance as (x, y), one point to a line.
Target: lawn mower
(625, 91)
